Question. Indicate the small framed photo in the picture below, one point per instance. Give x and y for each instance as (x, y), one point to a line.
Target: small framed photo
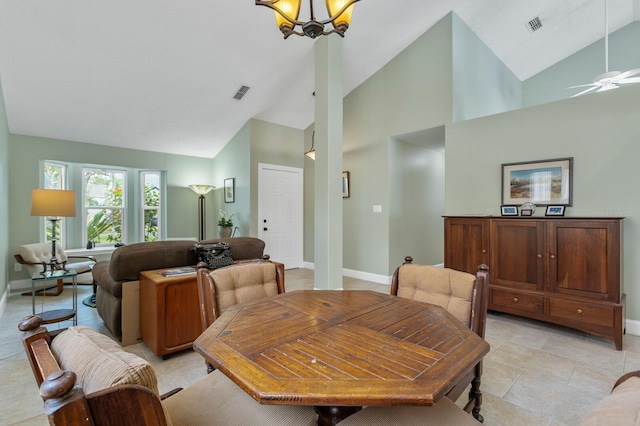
(526, 212)
(230, 190)
(554, 211)
(509, 210)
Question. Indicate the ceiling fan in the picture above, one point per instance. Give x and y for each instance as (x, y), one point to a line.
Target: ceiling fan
(609, 79)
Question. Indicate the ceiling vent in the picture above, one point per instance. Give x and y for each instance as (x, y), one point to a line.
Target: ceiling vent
(241, 92)
(534, 25)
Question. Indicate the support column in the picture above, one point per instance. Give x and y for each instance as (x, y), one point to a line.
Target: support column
(328, 163)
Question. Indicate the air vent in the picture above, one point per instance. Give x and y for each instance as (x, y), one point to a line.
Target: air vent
(241, 92)
(535, 24)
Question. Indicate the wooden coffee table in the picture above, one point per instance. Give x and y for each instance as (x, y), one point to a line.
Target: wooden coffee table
(340, 350)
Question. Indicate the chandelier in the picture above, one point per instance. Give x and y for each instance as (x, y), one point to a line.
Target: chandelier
(287, 12)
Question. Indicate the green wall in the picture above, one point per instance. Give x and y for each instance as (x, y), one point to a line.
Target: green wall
(600, 132)
(416, 203)
(482, 84)
(4, 197)
(234, 162)
(257, 142)
(27, 153)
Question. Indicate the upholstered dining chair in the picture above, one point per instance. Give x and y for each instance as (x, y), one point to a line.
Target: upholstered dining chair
(243, 282)
(463, 295)
(34, 255)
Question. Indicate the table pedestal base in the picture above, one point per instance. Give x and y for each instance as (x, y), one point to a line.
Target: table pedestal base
(330, 416)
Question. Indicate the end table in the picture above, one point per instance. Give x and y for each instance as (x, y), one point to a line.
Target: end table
(56, 315)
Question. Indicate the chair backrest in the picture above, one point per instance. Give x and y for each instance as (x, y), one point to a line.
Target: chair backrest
(244, 282)
(463, 295)
(34, 254)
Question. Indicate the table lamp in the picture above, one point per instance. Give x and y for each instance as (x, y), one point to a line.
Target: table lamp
(201, 190)
(54, 204)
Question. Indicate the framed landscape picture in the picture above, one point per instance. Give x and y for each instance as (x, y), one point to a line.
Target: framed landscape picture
(229, 190)
(541, 182)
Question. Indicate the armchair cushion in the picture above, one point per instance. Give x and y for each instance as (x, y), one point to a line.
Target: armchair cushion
(619, 408)
(99, 362)
(444, 413)
(37, 253)
(193, 406)
(448, 288)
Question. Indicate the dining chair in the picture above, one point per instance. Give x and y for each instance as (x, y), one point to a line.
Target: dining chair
(243, 282)
(463, 295)
(34, 255)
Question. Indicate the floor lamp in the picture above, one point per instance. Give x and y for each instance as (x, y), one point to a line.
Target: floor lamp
(201, 190)
(54, 204)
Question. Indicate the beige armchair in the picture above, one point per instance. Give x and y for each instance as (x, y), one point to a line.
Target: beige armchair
(86, 378)
(463, 295)
(34, 255)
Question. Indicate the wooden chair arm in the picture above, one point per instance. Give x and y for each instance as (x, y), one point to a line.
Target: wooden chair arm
(625, 377)
(20, 260)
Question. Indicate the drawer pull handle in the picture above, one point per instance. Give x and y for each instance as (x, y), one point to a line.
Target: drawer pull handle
(580, 311)
(516, 300)
(484, 250)
(553, 256)
(539, 256)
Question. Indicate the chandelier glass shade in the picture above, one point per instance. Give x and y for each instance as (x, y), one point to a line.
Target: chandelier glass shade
(288, 11)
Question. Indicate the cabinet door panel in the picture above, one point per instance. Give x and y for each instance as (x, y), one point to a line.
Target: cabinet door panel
(466, 244)
(582, 258)
(517, 248)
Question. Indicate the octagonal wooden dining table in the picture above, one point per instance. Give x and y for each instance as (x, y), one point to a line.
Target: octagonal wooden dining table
(341, 350)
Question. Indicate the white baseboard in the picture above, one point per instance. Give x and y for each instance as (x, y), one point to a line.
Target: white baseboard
(367, 276)
(378, 279)
(632, 327)
(3, 300)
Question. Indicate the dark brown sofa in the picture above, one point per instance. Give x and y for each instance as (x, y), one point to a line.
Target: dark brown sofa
(117, 295)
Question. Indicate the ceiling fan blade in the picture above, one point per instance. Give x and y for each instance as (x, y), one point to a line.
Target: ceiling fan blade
(585, 91)
(630, 80)
(629, 73)
(607, 87)
(583, 85)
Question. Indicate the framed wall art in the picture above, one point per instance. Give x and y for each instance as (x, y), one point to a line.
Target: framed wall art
(230, 190)
(544, 182)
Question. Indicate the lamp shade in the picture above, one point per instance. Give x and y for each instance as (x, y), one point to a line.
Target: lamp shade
(287, 9)
(201, 189)
(334, 6)
(53, 203)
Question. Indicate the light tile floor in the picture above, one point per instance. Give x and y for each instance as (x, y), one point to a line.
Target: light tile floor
(535, 374)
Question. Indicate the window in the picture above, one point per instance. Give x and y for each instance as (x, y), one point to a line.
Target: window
(55, 177)
(150, 202)
(104, 204)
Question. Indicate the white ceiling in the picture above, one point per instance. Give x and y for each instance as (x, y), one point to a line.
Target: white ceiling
(160, 75)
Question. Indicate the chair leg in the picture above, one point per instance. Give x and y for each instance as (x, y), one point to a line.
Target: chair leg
(44, 292)
(476, 395)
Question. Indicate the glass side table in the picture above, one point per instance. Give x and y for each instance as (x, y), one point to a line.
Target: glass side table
(56, 315)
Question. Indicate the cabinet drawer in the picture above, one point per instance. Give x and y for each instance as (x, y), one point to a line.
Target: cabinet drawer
(515, 300)
(583, 312)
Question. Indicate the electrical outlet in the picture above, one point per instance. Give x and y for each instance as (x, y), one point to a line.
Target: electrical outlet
(17, 267)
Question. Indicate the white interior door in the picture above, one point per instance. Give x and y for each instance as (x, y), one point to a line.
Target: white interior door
(280, 213)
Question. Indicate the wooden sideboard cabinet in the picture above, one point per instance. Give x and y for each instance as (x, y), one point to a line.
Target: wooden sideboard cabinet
(566, 271)
(169, 312)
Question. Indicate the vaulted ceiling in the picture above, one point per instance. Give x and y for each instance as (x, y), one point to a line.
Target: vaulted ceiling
(160, 75)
